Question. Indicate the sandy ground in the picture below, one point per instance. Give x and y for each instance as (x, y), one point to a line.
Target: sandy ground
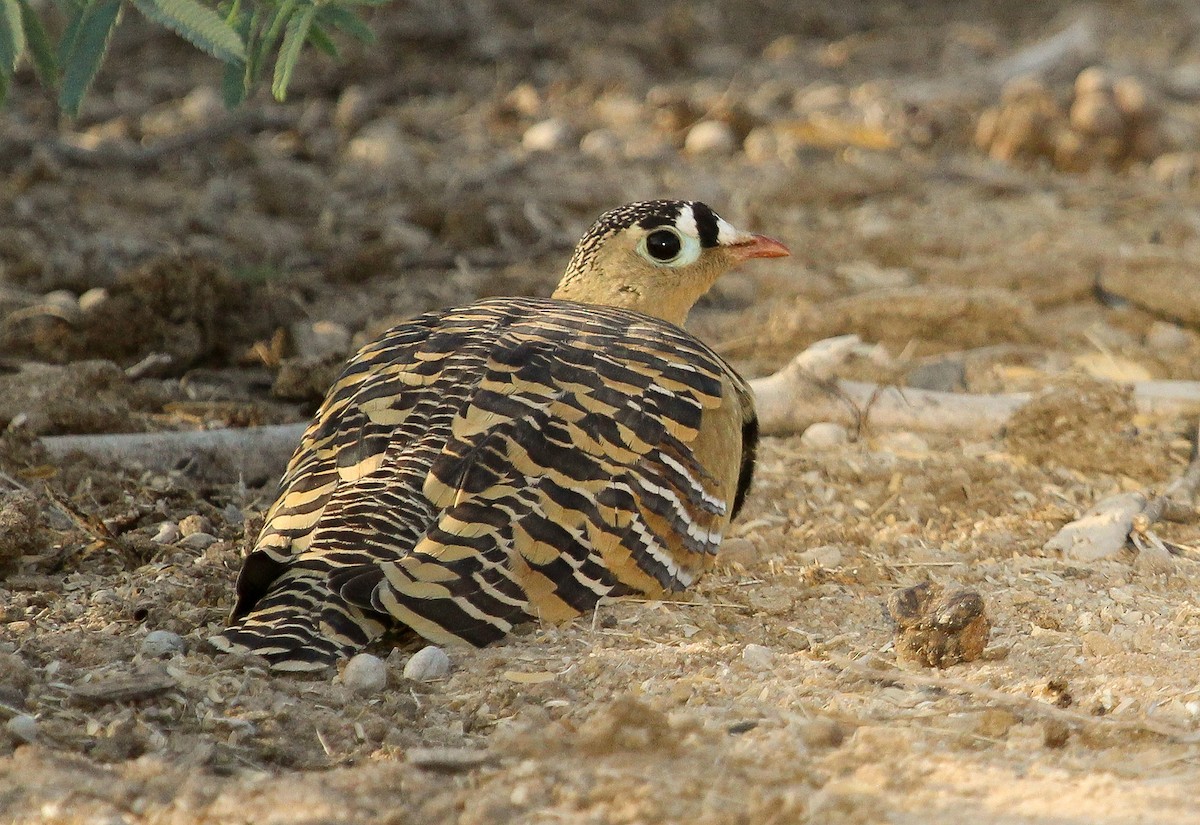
(220, 283)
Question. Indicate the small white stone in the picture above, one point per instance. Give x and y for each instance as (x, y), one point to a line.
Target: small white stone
(904, 443)
(546, 136)
(427, 664)
(162, 643)
(168, 533)
(1164, 337)
(758, 658)
(93, 298)
(710, 137)
(23, 727)
(365, 674)
(823, 435)
(198, 541)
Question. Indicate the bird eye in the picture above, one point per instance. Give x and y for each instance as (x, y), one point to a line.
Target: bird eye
(669, 247)
(663, 245)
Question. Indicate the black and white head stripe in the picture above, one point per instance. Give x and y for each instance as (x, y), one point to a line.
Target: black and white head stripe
(689, 217)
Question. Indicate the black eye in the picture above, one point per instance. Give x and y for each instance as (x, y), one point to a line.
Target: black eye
(663, 245)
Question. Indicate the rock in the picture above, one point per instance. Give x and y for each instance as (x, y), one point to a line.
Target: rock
(198, 541)
(203, 105)
(353, 107)
(546, 136)
(22, 727)
(427, 664)
(1096, 115)
(1165, 337)
(92, 298)
(1153, 559)
(195, 523)
(824, 435)
(19, 529)
(758, 658)
(943, 375)
(710, 137)
(320, 339)
(601, 143)
(1184, 81)
(903, 443)
(365, 674)
(233, 515)
(381, 151)
(159, 643)
(168, 533)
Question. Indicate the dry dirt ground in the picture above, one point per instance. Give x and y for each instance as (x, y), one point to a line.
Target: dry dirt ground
(165, 267)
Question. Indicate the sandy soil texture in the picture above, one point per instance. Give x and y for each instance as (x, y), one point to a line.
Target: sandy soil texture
(1000, 200)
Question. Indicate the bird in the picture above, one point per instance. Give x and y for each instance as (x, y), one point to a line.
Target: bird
(515, 459)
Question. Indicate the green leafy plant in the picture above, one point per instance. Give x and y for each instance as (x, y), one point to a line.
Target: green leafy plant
(251, 37)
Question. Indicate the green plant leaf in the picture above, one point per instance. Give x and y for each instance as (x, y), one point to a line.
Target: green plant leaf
(3, 89)
(321, 40)
(270, 33)
(235, 80)
(342, 18)
(88, 46)
(294, 36)
(38, 42)
(196, 23)
(70, 34)
(12, 36)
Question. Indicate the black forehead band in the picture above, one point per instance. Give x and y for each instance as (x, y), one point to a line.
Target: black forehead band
(706, 221)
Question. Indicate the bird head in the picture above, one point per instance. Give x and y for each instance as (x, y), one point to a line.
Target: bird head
(658, 257)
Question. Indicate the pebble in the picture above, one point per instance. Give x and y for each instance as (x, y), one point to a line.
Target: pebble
(202, 105)
(1165, 337)
(546, 136)
(198, 541)
(320, 339)
(195, 523)
(944, 375)
(1153, 559)
(381, 150)
(365, 674)
(427, 664)
(710, 137)
(904, 443)
(168, 533)
(233, 515)
(93, 298)
(1184, 81)
(758, 658)
(353, 107)
(824, 435)
(601, 143)
(159, 643)
(23, 727)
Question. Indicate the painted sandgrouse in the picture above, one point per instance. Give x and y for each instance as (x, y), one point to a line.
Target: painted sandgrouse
(514, 459)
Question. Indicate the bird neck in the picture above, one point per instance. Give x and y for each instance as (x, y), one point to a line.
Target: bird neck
(670, 303)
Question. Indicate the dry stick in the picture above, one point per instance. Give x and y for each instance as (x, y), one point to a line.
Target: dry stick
(800, 394)
(886, 673)
(1103, 530)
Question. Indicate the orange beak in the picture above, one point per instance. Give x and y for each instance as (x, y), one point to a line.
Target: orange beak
(757, 246)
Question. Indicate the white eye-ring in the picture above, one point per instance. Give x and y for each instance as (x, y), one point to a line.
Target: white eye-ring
(667, 246)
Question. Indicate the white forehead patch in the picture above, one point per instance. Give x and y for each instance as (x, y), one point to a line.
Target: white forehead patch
(728, 234)
(686, 222)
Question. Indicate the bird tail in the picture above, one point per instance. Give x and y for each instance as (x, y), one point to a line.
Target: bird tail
(300, 625)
